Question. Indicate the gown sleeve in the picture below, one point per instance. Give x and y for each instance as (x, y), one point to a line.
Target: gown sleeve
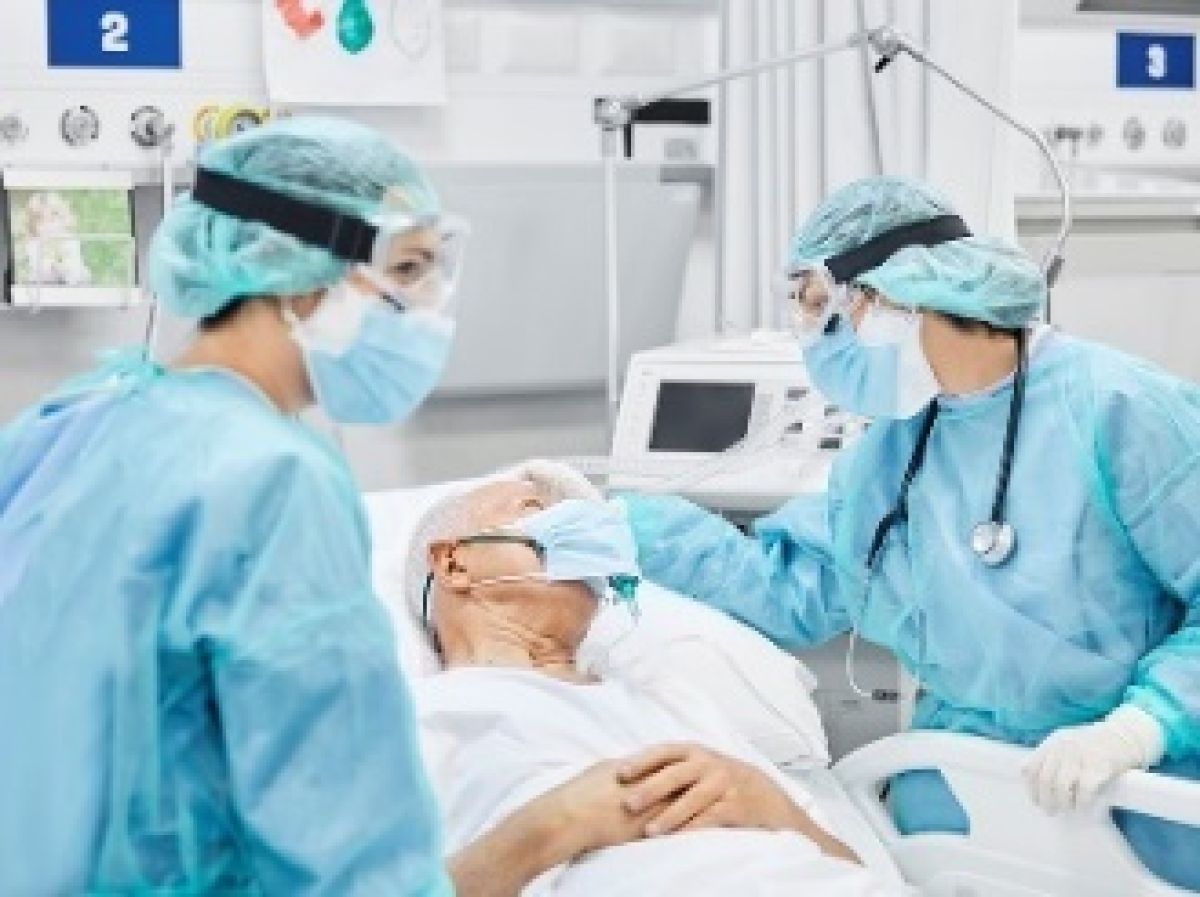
(1148, 447)
(778, 579)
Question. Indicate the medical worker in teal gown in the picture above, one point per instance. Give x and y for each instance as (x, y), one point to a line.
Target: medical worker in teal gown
(1040, 571)
(199, 692)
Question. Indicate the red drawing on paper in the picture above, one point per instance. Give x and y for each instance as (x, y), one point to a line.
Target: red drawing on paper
(304, 24)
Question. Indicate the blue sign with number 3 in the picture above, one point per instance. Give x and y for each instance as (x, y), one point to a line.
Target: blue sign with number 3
(1156, 60)
(113, 33)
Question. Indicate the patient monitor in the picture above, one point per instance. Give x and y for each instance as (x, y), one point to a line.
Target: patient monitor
(733, 424)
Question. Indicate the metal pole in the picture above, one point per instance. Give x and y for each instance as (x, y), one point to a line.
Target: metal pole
(754, 68)
(755, 161)
(889, 43)
(872, 110)
(721, 182)
(150, 342)
(612, 287)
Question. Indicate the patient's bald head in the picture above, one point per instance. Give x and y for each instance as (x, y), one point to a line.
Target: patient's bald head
(523, 622)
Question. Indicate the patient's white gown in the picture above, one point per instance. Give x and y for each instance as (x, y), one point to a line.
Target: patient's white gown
(495, 739)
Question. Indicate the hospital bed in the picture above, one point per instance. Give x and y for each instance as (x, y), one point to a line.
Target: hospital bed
(1014, 849)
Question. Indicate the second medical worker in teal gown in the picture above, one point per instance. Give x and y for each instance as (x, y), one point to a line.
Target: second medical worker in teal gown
(199, 692)
(1020, 524)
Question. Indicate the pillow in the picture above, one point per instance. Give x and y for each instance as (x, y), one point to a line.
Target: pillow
(764, 692)
(393, 518)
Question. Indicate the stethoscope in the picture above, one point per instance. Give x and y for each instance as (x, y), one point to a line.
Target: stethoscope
(993, 540)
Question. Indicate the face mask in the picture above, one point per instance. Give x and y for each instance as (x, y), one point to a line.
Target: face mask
(585, 540)
(879, 372)
(577, 540)
(368, 362)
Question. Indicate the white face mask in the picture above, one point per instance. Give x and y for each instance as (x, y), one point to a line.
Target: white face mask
(880, 369)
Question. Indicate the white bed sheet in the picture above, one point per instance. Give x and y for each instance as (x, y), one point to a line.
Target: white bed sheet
(496, 738)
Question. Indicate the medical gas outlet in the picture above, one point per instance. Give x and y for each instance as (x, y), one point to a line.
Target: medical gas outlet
(79, 126)
(149, 127)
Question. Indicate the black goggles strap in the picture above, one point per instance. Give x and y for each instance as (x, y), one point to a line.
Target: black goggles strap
(346, 236)
(847, 266)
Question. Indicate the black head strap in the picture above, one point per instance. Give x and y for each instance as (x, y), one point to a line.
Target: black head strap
(847, 266)
(346, 236)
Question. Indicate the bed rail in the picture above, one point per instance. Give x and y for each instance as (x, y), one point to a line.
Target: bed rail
(1014, 849)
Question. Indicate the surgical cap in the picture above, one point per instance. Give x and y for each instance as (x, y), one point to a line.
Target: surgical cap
(981, 278)
(202, 261)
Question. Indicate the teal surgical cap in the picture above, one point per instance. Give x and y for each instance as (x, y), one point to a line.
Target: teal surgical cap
(981, 278)
(202, 261)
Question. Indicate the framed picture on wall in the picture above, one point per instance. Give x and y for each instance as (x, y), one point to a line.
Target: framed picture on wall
(71, 243)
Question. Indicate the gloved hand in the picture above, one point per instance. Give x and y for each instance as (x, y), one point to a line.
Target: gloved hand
(1075, 762)
(561, 480)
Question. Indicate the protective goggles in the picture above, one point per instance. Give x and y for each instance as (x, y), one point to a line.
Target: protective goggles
(416, 259)
(812, 300)
(814, 295)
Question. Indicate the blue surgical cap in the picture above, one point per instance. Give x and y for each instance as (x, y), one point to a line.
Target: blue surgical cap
(202, 261)
(981, 278)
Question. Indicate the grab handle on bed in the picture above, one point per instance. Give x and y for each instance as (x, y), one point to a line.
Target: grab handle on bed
(1007, 828)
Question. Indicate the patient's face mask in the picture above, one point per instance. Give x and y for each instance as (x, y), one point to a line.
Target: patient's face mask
(371, 358)
(574, 541)
(880, 371)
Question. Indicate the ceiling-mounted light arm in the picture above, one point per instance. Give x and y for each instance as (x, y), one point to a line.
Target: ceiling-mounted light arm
(613, 114)
(889, 43)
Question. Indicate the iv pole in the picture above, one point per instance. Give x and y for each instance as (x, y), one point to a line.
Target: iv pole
(614, 114)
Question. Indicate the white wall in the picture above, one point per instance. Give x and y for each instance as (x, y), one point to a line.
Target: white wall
(1132, 278)
(521, 77)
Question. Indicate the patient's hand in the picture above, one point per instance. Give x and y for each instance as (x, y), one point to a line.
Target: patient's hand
(587, 813)
(592, 809)
(684, 787)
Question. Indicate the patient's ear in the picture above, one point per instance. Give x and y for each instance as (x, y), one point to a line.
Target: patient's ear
(442, 565)
(440, 557)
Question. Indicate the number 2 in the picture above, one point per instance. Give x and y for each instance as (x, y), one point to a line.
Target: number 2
(114, 28)
(1156, 61)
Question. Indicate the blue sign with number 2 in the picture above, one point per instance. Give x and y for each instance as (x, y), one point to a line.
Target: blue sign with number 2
(113, 33)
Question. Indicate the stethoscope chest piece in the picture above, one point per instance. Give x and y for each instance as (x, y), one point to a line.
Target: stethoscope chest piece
(993, 542)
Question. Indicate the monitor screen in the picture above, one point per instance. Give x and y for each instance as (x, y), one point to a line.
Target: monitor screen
(700, 417)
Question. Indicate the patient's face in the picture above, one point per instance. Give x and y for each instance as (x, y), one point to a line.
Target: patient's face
(465, 614)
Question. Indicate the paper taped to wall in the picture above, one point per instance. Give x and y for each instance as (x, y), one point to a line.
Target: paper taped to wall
(354, 52)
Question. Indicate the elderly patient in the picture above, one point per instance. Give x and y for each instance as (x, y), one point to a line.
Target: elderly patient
(667, 800)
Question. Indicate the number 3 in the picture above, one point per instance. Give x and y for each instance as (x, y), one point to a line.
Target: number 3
(114, 27)
(1156, 61)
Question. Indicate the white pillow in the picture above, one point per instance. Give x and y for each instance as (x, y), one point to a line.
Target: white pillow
(392, 517)
(763, 691)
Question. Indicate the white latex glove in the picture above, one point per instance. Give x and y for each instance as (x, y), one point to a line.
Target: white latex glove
(560, 480)
(1075, 762)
